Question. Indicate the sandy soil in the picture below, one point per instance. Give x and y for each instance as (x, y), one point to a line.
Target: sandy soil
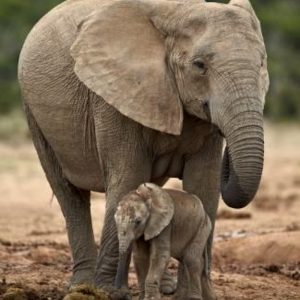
(256, 252)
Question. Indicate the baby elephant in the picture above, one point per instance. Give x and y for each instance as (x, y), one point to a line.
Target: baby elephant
(161, 224)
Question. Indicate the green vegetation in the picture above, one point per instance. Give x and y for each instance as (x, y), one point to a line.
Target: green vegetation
(281, 26)
(16, 19)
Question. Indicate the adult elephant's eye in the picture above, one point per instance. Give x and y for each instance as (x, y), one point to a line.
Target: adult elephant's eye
(200, 66)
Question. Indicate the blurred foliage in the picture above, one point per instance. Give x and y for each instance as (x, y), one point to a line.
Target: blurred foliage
(281, 27)
(16, 19)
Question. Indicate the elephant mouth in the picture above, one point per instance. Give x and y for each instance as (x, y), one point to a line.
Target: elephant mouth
(221, 133)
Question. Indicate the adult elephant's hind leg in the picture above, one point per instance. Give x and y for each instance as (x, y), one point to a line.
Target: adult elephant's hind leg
(75, 205)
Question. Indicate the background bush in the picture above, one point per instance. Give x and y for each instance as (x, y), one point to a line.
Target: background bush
(16, 19)
(281, 27)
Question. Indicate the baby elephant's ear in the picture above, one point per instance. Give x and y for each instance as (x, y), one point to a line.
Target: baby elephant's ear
(161, 212)
(144, 190)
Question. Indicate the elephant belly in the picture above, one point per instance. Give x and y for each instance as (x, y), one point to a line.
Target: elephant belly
(66, 119)
(86, 176)
(168, 165)
(173, 151)
(73, 142)
(82, 169)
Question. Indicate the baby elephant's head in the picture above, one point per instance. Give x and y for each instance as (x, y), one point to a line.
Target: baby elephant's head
(145, 211)
(131, 217)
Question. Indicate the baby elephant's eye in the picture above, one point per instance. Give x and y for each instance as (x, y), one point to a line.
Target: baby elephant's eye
(137, 221)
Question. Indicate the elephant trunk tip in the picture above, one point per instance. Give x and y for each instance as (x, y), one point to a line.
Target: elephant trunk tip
(237, 203)
(235, 197)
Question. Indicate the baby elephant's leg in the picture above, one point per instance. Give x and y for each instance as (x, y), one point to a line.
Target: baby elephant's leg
(207, 289)
(141, 264)
(156, 269)
(195, 259)
(193, 262)
(159, 257)
(203, 235)
(183, 282)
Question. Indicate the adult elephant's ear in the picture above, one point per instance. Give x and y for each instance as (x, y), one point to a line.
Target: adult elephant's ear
(120, 55)
(244, 4)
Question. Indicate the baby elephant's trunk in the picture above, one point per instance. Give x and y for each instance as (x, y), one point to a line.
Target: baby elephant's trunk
(121, 272)
(125, 238)
(122, 268)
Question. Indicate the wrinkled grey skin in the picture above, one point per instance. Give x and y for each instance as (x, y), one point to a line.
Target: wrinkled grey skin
(120, 93)
(158, 223)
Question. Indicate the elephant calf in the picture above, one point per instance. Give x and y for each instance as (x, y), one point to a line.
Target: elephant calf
(164, 223)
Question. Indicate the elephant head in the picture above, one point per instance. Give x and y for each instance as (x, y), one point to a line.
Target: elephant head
(154, 59)
(146, 211)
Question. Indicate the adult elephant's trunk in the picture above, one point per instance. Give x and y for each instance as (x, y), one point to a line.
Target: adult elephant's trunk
(244, 154)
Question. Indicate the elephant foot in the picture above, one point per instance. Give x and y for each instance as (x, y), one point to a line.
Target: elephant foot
(153, 297)
(15, 294)
(185, 297)
(82, 277)
(86, 292)
(179, 297)
(168, 283)
(208, 290)
(142, 295)
(118, 294)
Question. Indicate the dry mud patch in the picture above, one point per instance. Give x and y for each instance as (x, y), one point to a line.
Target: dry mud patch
(256, 251)
(42, 270)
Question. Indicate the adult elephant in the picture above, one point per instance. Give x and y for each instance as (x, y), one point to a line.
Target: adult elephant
(123, 92)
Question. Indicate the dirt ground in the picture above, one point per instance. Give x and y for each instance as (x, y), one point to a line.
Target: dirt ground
(256, 250)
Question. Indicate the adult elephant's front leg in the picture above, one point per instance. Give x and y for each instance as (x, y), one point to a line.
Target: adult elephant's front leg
(107, 260)
(202, 178)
